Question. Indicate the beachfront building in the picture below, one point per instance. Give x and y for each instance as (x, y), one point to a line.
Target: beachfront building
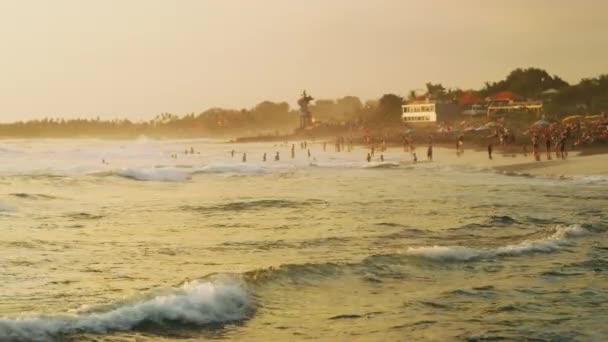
(532, 107)
(471, 104)
(506, 102)
(425, 110)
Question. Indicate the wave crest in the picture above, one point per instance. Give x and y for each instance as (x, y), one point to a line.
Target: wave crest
(155, 174)
(561, 236)
(197, 303)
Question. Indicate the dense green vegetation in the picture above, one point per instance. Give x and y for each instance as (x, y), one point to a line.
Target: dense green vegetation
(561, 99)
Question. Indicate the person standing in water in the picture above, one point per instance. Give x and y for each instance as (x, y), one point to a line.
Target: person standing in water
(308, 153)
(548, 145)
(369, 158)
(382, 157)
(276, 157)
(429, 152)
(264, 157)
(415, 157)
(460, 147)
(244, 157)
(490, 150)
(293, 151)
(232, 153)
(562, 146)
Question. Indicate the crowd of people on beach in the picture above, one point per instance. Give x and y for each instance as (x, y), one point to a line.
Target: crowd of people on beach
(549, 139)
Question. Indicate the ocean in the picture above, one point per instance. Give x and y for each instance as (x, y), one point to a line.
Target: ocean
(123, 241)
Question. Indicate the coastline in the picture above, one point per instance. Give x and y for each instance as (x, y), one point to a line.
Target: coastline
(574, 166)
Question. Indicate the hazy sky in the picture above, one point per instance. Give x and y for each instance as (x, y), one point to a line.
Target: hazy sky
(138, 58)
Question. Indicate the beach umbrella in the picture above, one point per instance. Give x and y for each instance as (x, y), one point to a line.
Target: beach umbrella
(542, 124)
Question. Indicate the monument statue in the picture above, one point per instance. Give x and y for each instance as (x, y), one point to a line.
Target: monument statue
(305, 114)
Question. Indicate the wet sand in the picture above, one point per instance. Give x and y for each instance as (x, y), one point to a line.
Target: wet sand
(578, 163)
(574, 165)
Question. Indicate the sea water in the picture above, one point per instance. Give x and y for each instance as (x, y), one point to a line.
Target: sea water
(137, 240)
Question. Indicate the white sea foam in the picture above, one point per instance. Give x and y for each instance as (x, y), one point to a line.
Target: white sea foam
(7, 209)
(197, 303)
(232, 168)
(168, 174)
(562, 235)
(592, 179)
(381, 165)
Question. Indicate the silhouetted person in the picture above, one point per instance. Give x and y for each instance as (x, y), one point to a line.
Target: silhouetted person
(369, 158)
(244, 157)
(490, 150)
(276, 157)
(382, 157)
(264, 157)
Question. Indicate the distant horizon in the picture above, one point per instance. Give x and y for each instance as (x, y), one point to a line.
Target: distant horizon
(134, 60)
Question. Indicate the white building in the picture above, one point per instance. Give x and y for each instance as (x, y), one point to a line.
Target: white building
(419, 112)
(429, 111)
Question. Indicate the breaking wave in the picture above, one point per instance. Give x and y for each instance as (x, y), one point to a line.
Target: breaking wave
(181, 174)
(156, 174)
(231, 169)
(199, 303)
(562, 235)
(382, 165)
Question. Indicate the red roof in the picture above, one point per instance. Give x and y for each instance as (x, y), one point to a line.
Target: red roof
(469, 98)
(506, 95)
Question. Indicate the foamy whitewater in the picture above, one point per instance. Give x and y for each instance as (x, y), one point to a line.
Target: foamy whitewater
(144, 240)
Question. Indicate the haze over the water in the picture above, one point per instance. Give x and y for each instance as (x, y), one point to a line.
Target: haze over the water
(138, 58)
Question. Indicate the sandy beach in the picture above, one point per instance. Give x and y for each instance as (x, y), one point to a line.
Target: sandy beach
(576, 164)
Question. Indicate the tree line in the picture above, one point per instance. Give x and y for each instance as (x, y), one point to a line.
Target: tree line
(590, 95)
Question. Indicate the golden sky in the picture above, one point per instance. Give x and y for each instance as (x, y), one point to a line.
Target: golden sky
(138, 58)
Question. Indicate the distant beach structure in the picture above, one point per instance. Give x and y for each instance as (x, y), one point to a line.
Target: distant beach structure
(305, 114)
